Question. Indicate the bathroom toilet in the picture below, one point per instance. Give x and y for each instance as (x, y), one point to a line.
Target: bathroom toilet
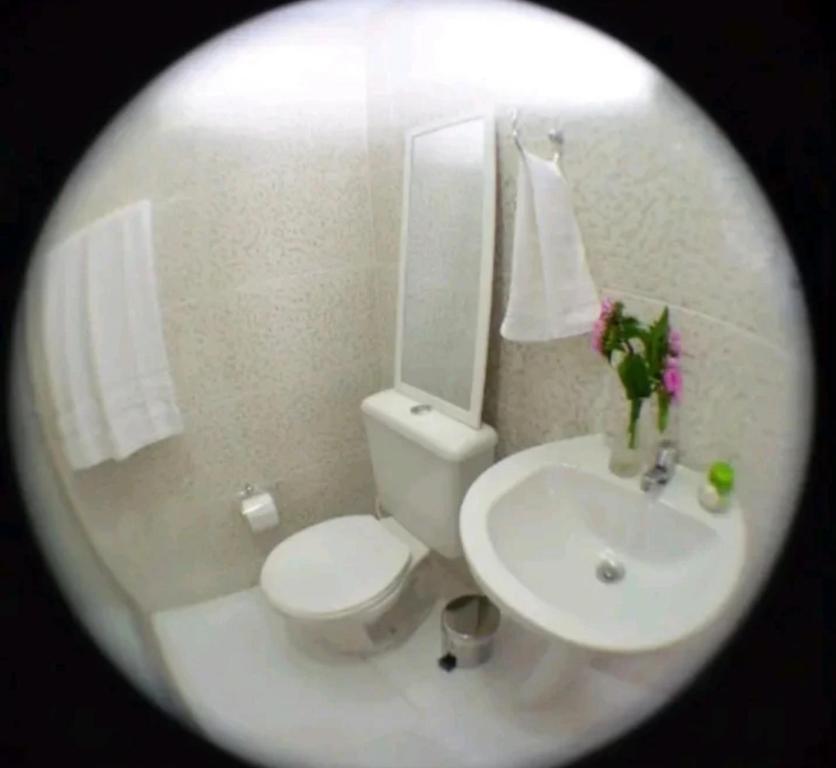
(357, 583)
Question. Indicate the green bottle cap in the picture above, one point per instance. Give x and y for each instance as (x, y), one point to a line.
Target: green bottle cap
(721, 476)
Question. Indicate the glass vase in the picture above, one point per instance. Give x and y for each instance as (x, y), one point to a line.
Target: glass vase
(654, 434)
(627, 454)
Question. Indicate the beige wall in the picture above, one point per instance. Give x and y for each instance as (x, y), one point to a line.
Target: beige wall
(668, 213)
(254, 156)
(275, 173)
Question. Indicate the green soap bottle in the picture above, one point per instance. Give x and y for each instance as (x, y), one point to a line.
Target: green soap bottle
(716, 494)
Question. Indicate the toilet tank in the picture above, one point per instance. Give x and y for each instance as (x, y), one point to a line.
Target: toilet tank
(423, 464)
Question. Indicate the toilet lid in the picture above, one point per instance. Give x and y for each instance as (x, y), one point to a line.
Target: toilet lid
(333, 566)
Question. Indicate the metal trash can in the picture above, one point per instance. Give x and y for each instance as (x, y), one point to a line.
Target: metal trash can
(468, 628)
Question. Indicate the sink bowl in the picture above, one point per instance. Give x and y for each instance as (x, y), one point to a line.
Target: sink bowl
(572, 551)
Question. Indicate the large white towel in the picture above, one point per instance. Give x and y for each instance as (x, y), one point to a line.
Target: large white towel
(552, 295)
(105, 352)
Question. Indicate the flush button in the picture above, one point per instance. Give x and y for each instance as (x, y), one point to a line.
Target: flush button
(419, 409)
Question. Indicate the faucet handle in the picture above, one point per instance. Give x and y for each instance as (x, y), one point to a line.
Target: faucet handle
(666, 454)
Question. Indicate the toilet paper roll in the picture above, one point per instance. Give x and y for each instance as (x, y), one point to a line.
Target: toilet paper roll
(260, 512)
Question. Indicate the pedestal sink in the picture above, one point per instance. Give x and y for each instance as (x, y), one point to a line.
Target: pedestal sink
(590, 560)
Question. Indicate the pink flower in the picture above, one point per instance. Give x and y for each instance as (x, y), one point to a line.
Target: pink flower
(674, 343)
(598, 335)
(600, 327)
(672, 379)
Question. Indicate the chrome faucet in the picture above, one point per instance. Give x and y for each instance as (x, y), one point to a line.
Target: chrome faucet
(663, 467)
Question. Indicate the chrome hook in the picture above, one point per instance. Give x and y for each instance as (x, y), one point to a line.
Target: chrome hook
(515, 134)
(555, 135)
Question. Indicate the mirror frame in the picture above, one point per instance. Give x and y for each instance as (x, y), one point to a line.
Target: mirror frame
(471, 416)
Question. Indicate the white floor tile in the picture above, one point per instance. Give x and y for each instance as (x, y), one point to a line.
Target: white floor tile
(407, 749)
(251, 689)
(243, 680)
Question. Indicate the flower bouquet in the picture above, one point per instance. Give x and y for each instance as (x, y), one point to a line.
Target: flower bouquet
(647, 361)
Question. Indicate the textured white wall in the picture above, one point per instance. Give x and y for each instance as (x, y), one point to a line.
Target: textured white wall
(669, 215)
(278, 253)
(253, 153)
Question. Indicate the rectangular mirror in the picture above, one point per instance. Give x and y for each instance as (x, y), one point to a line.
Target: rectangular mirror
(446, 267)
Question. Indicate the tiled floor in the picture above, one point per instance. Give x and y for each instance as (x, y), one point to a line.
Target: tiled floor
(249, 688)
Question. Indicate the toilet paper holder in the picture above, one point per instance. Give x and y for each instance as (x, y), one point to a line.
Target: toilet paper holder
(258, 508)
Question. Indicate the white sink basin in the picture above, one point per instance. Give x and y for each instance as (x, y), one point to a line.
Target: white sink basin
(543, 529)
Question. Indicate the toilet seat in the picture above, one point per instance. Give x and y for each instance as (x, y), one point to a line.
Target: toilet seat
(334, 567)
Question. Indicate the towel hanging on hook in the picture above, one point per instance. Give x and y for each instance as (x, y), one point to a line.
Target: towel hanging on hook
(552, 295)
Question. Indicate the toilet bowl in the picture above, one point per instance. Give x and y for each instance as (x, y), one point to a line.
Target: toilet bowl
(354, 584)
(359, 583)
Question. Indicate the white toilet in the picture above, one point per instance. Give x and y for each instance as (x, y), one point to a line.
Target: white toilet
(357, 583)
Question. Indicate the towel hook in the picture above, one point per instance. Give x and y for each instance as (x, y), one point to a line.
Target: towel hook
(514, 132)
(555, 135)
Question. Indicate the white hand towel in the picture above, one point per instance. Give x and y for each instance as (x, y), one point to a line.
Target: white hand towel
(552, 295)
(66, 341)
(110, 376)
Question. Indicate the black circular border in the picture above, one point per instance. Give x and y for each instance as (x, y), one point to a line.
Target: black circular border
(761, 72)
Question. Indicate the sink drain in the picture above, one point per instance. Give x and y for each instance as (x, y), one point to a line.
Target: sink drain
(609, 570)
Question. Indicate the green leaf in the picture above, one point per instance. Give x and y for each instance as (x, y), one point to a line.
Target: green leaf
(610, 341)
(634, 376)
(631, 329)
(656, 347)
(664, 400)
(635, 412)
